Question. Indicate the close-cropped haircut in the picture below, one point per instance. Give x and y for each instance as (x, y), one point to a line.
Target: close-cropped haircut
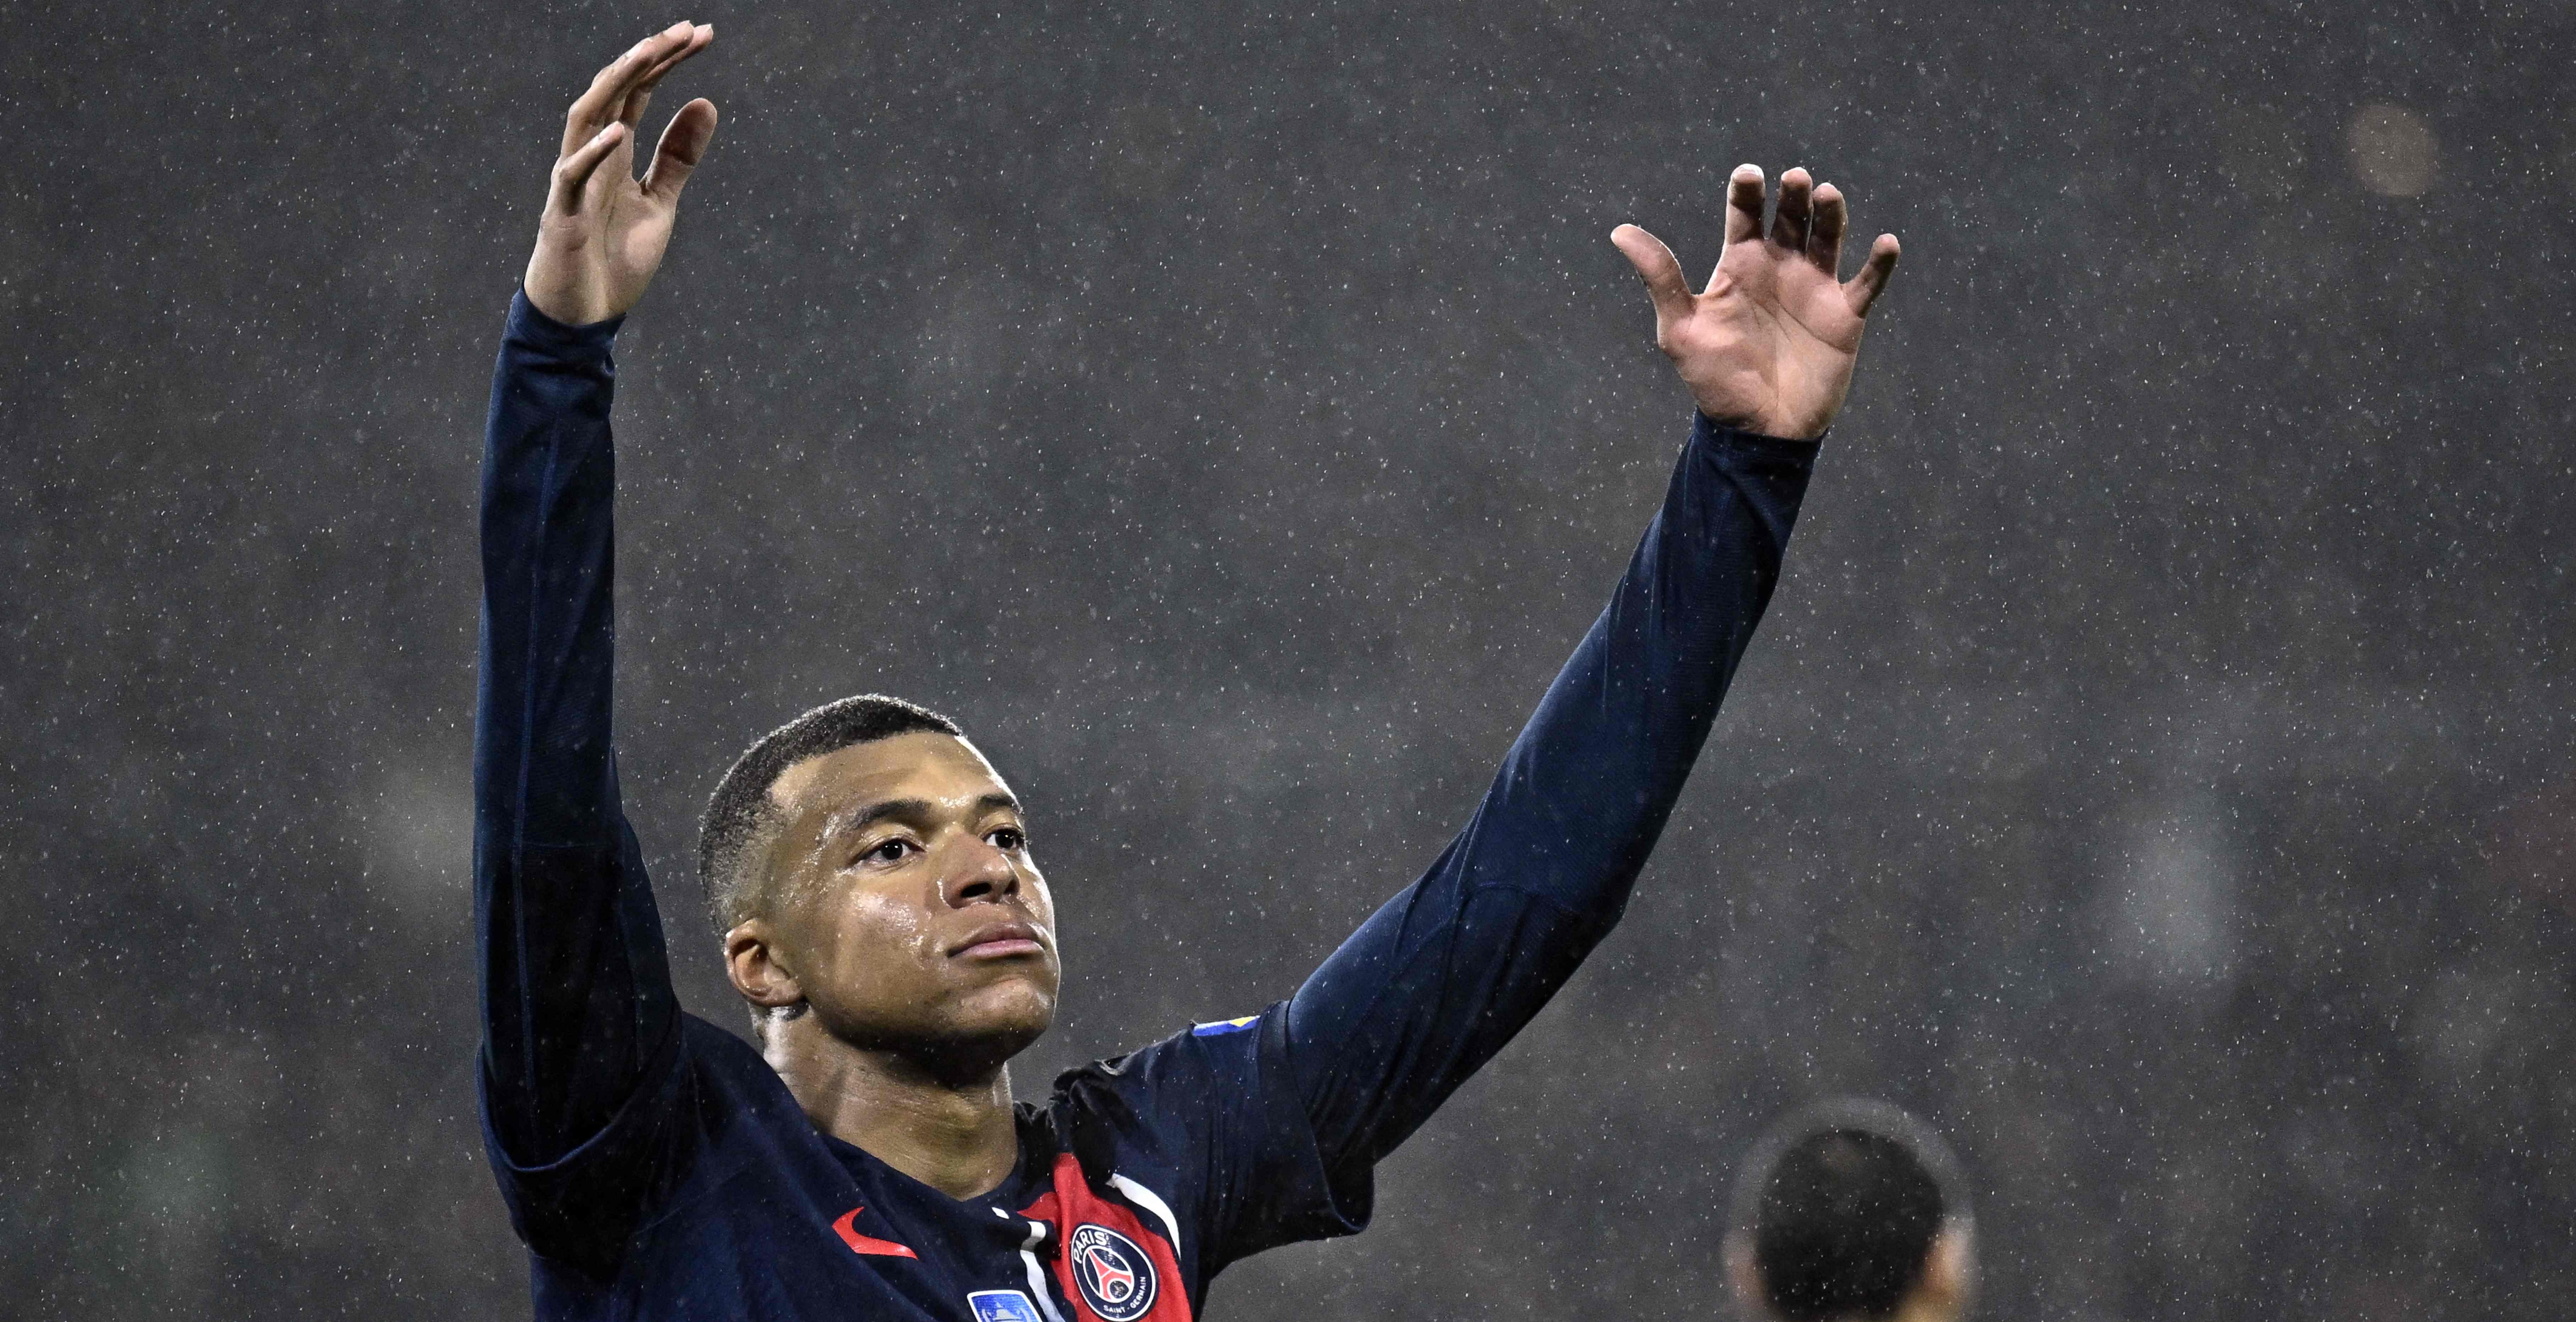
(740, 815)
(1841, 1202)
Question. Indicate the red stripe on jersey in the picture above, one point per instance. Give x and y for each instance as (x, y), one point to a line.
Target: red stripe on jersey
(1072, 1206)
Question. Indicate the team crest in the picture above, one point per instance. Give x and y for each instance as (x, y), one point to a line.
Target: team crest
(1115, 1276)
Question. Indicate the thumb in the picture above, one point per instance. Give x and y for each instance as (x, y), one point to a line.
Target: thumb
(684, 144)
(1655, 266)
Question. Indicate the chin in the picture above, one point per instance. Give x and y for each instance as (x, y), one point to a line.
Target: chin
(1018, 1012)
(974, 1046)
(1024, 1019)
(964, 1031)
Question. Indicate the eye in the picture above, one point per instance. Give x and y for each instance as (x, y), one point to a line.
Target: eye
(1008, 839)
(888, 851)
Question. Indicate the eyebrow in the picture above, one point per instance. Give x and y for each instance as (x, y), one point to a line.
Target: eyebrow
(915, 809)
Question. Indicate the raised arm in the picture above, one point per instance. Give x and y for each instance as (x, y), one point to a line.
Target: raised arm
(580, 1025)
(1442, 977)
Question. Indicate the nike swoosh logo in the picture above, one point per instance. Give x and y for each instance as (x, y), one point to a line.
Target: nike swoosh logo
(864, 1244)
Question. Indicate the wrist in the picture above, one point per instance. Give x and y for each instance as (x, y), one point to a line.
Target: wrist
(1753, 429)
(563, 281)
(532, 325)
(1718, 433)
(565, 302)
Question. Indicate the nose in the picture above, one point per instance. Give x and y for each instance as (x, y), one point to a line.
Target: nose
(983, 875)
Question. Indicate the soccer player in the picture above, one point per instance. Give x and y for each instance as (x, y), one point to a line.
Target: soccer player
(1851, 1211)
(880, 905)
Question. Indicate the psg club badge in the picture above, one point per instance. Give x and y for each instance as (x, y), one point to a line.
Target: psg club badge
(1115, 1276)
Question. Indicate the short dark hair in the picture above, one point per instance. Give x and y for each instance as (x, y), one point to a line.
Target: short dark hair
(739, 814)
(1842, 1202)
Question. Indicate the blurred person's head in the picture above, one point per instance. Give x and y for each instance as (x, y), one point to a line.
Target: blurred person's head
(1851, 1211)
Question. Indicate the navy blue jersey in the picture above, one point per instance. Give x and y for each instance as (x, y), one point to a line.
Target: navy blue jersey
(657, 1168)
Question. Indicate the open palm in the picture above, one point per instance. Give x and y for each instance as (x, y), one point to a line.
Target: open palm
(605, 230)
(1768, 347)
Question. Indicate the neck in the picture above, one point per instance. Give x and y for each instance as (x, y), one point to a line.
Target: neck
(952, 1134)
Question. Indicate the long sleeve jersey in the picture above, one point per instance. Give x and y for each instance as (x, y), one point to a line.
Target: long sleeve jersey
(657, 1167)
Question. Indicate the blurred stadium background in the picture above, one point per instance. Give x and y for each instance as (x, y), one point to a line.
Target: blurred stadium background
(2156, 769)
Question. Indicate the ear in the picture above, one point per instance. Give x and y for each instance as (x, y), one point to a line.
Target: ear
(1949, 1273)
(757, 969)
(1744, 1276)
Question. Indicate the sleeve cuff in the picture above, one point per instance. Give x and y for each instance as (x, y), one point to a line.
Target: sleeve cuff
(537, 331)
(1717, 438)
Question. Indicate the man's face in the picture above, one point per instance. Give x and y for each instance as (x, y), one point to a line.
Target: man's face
(905, 905)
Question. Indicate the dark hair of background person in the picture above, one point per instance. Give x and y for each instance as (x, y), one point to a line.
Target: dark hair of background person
(1842, 1203)
(739, 814)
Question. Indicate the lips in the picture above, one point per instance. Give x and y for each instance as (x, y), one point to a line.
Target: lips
(1003, 940)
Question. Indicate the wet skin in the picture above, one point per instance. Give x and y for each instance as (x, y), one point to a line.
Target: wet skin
(906, 913)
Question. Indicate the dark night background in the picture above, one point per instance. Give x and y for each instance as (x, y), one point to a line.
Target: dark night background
(2156, 768)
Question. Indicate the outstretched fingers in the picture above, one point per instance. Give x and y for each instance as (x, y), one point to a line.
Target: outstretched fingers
(1825, 231)
(684, 144)
(1863, 289)
(605, 99)
(1744, 204)
(573, 172)
(641, 94)
(1657, 267)
(1789, 222)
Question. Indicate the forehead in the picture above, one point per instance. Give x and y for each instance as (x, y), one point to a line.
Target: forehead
(924, 765)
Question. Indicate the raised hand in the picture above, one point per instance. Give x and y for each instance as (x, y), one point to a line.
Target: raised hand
(605, 230)
(1768, 347)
